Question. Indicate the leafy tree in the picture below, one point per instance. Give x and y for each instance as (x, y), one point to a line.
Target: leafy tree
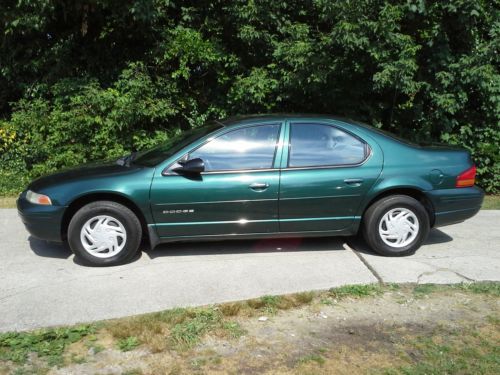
(91, 79)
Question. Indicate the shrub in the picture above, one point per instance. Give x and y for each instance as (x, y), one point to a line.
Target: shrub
(81, 83)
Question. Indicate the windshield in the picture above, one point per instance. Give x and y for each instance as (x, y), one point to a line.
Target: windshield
(156, 155)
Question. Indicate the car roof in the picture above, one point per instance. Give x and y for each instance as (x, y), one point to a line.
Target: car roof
(241, 120)
(282, 116)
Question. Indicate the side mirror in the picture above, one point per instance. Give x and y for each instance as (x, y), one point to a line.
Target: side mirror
(191, 166)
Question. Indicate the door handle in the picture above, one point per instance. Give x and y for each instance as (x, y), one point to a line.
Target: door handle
(259, 186)
(353, 181)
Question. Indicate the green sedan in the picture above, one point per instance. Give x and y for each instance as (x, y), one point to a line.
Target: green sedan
(256, 177)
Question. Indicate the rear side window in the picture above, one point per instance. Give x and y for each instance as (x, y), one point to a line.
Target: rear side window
(242, 149)
(314, 145)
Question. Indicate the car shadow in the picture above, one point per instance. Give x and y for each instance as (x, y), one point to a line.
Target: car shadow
(274, 245)
(177, 249)
(271, 245)
(49, 249)
(436, 236)
(58, 250)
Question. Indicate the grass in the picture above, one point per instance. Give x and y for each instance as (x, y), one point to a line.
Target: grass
(133, 372)
(491, 202)
(422, 290)
(7, 202)
(186, 334)
(487, 287)
(94, 348)
(320, 360)
(182, 329)
(233, 329)
(199, 362)
(356, 291)
(177, 329)
(269, 305)
(470, 352)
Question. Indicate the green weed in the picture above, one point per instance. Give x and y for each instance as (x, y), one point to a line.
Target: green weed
(491, 288)
(233, 329)
(47, 343)
(355, 291)
(128, 343)
(312, 358)
(187, 333)
(422, 290)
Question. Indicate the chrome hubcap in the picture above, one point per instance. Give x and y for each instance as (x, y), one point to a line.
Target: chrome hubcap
(398, 227)
(103, 236)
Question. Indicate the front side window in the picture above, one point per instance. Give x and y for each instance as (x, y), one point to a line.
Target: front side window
(313, 145)
(242, 149)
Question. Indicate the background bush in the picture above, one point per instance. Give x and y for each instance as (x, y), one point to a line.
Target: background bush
(94, 79)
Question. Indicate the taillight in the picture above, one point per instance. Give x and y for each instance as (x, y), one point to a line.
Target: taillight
(467, 178)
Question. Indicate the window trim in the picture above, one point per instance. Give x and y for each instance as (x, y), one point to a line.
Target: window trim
(168, 171)
(367, 148)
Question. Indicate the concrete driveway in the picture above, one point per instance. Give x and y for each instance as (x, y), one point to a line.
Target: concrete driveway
(41, 285)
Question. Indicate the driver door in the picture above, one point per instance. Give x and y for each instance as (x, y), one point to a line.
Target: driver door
(236, 194)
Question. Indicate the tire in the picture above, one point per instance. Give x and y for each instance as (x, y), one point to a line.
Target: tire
(104, 233)
(392, 235)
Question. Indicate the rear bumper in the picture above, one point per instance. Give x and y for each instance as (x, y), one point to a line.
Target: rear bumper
(42, 222)
(455, 205)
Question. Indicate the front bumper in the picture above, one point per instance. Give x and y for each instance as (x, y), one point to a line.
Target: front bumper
(455, 205)
(42, 222)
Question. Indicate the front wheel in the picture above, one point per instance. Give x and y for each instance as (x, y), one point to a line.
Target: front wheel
(396, 225)
(104, 233)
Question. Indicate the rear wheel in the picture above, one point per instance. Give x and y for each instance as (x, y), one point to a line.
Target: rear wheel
(104, 233)
(396, 225)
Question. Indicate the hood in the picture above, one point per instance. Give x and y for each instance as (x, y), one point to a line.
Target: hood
(83, 172)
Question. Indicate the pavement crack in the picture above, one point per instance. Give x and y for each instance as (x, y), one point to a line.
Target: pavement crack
(367, 265)
(428, 273)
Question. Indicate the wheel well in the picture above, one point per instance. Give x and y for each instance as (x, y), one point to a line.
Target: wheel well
(411, 192)
(86, 199)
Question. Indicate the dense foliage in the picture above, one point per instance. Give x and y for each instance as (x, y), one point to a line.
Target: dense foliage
(93, 79)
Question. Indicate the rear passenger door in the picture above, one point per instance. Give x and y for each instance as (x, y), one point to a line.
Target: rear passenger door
(326, 172)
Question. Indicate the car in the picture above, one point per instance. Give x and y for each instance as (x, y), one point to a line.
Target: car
(256, 177)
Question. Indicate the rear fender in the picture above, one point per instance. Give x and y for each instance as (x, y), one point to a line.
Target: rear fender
(398, 184)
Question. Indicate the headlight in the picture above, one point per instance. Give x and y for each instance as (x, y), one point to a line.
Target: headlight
(38, 198)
